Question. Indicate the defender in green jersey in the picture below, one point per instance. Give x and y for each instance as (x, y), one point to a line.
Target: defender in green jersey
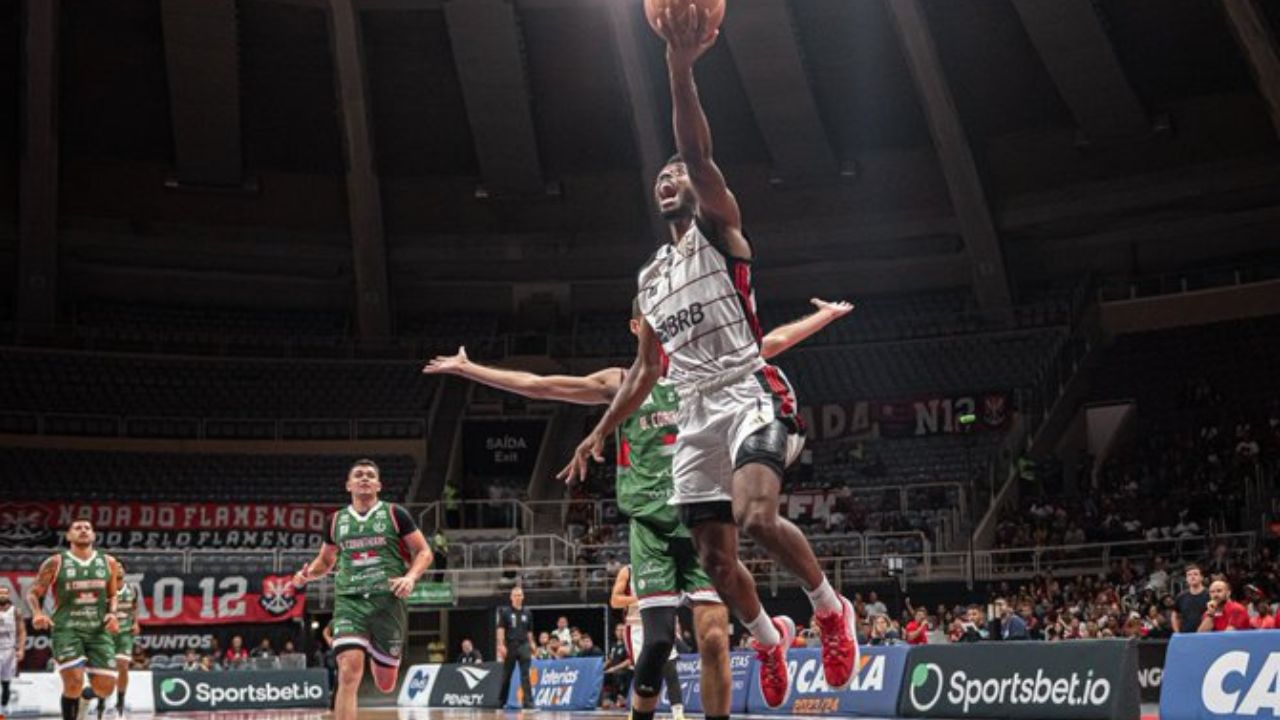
(127, 600)
(664, 562)
(84, 620)
(380, 553)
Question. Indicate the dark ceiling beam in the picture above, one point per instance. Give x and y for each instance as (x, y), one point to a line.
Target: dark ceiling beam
(762, 40)
(1075, 48)
(201, 46)
(1256, 39)
(964, 183)
(364, 200)
(488, 51)
(37, 287)
(650, 136)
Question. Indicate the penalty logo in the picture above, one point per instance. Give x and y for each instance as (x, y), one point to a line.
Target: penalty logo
(472, 676)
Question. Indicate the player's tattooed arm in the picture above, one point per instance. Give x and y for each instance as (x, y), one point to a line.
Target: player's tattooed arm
(687, 33)
(111, 621)
(594, 389)
(637, 384)
(45, 578)
(781, 339)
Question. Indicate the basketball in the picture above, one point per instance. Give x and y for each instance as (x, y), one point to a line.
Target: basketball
(655, 8)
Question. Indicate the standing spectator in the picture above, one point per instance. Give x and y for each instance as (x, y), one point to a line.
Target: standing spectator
(1191, 603)
(1223, 613)
(618, 669)
(515, 644)
(469, 655)
(1012, 627)
(236, 654)
(874, 606)
(919, 628)
(562, 631)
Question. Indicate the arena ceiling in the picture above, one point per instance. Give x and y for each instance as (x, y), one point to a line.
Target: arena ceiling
(898, 144)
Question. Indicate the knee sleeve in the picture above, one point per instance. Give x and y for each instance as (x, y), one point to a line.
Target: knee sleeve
(659, 637)
(773, 446)
(695, 514)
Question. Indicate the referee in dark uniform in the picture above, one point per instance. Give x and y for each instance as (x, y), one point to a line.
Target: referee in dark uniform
(515, 643)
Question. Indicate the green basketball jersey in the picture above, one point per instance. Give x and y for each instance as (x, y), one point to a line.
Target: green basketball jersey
(370, 552)
(646, 445)
(126, 604)
(80, 592)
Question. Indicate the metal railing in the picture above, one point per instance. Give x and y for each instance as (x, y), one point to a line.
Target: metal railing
(1094, 557)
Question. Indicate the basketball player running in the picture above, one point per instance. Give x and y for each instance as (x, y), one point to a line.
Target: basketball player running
(380, 553)
(659, 543)
(738, 428)
(83, 581)
(127, 618)
(13, 643)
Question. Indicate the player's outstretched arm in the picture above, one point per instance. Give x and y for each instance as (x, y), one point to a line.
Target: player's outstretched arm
(595, 389)
(640, 379)
(781, 339)
(688, 36)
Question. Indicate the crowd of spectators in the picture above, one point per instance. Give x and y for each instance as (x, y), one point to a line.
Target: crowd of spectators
(237, 656)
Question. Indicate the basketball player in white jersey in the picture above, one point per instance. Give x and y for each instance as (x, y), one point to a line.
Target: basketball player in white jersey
(624, 597)
(738, 428)
(13, 643)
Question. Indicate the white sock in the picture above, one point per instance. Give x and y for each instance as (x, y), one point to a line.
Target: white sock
(824, 599)
(764, 631)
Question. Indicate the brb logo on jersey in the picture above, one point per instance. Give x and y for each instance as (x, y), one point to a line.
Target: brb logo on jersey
(679, 321)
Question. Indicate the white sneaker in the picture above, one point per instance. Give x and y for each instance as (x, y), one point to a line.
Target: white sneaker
(111, 714)
(677, 712)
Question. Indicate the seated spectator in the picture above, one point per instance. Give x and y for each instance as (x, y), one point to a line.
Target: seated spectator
(562, 631)
(264, 650)
(1266, 617)
(874, 606)
(190, 660)
(1222, 613)
(882, 633)
(139, 661)
(1012, 626)
(919, 628)
(236, 655)
(469, 655)
(587, 647)
(972, 628)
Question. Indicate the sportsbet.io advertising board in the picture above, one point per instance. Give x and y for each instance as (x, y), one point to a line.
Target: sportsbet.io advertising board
(260, 689)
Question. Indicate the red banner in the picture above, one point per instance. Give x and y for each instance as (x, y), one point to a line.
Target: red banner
(196, 599)
(167, 525)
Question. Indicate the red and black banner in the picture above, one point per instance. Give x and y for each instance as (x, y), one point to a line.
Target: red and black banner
(197, 599)
(167, 525)
(915, 417)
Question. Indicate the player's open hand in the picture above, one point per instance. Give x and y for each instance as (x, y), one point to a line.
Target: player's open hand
(837, 309)
(42, 622)
(447, 364)
(402, 587)
(590, 449)
(112, 624)
(688, 32)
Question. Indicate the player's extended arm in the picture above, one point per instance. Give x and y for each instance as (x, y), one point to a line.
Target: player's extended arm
(22, 634)
(620, 598)
(318, 567)
(35, 594)
(640, 379)
(687, 36)
(594, 389)
(781, 339)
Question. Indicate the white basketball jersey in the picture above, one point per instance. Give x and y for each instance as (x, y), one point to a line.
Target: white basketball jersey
(8, 629)
(702, 306)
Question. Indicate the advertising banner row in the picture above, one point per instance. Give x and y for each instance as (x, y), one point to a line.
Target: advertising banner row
(39, 694)
(1098, 680)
